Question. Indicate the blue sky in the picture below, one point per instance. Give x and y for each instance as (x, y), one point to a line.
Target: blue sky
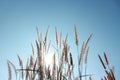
(18, 21)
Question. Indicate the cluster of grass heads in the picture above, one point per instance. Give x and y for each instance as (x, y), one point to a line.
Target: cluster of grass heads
(109, 71)
(36, 68)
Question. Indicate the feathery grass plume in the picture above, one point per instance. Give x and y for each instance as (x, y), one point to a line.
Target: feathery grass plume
(60, 39)
(109, 72)
(66, 53)
(13, 67)
(81, 54)
(34, 67)
(21, 65)
(45, 40)
(20, 61)
(57, 77)
(31, 61)
(41, 40)
(88, 39)
(63, 53)
(106, 58)
(41, 54)
(66, 38)
(54, 67)
(9, 71)
(46, 35)
(60, 65)
(48, 46)
(85, 61)
(101, 61)
(56, 34)
(40, 62)
(86, 55)
(38, 53)
(54, 62)
(86, 43)
(27, 67)
(71, 60)
(32, 49)
(38, 34)
(75, 34)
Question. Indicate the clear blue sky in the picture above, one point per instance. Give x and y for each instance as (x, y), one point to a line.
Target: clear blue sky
(18, 21)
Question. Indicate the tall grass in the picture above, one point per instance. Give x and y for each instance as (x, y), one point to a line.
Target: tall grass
(36, 68)
(108, 71)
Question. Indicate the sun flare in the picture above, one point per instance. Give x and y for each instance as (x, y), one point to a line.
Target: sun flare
(49, 60)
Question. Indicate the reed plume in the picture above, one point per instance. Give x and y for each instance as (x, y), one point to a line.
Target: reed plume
(60, 41)
(106, 58)
(21, 65)
(48, 46)
(46, 35)
(76, 36)
(54, 62)
(32, 50)
(9, 71)
(66, 38)
(38, 34)
(31, 61)
(54, 67)
(81, 54)
(86, 56)
(71, 60)
(101, 61)
(14, 68)
(56, 34)
(86, 43)
(27, 67)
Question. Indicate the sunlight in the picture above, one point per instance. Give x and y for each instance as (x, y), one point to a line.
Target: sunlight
(49, 60)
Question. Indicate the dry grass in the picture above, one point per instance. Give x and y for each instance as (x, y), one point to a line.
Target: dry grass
(109, 71)
(36, 69)
(76, 36)
(9, 70)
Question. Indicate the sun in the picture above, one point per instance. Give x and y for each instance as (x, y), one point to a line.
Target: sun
(49, 60)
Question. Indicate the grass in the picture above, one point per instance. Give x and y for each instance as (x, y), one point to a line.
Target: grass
(36, 69)
(109, 71)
